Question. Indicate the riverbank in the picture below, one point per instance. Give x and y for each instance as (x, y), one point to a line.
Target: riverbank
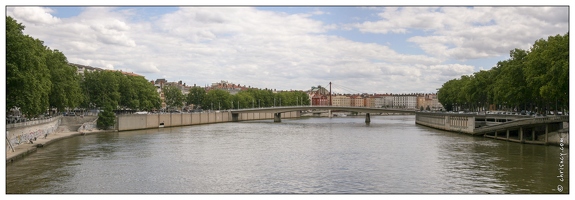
(550, 130)
(23, 150)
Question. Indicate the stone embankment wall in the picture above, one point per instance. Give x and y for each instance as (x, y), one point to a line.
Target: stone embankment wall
(19, 134)
(457, 123)
(466, 123)
(147, 121)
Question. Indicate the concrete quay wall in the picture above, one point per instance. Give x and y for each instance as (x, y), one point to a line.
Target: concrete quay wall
(149, 121)
(18, 135)
(456, 123)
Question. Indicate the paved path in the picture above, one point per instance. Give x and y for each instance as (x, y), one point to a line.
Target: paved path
(24, 149)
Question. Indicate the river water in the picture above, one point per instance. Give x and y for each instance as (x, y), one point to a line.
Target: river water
(297, 156)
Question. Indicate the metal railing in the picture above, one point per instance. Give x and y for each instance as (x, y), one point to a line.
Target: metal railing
(28, 122)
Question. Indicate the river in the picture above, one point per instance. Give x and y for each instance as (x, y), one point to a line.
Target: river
(297, 156)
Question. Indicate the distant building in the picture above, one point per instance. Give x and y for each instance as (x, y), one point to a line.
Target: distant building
(357, 101)
(226, 86)
(319, 100)
(80, 69)
(429, 100)
(340, 100)
(318, 96)
(405, 101)
(159, 83)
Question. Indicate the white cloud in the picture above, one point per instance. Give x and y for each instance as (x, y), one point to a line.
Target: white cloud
(201, 45)
(35, 15)
(464, 33)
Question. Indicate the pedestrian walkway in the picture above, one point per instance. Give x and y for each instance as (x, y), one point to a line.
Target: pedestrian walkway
(24, 149)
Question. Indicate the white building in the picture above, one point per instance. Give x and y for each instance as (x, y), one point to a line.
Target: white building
(405, 101)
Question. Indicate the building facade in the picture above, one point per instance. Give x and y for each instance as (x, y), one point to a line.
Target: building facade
(405, 101)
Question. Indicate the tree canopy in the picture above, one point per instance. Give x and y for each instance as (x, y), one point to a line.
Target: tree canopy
(28, 83)
(39, 78)
(536, 79)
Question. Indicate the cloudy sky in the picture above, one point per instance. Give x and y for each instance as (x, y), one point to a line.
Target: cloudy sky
(373, 49)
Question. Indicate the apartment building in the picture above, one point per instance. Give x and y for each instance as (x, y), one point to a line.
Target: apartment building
(405, 101)
(357, 101)
(340, 100)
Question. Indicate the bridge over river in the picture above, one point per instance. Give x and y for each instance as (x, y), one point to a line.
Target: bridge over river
(278, 110)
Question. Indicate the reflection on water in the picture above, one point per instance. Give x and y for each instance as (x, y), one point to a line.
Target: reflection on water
(308, 155)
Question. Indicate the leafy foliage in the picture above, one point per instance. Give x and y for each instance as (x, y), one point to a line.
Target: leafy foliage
(196, 96)
(28, 82)
(106, 118)
(536, 80)
(66, 91)
(173, 97)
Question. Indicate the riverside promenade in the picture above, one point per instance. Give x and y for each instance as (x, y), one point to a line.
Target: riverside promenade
(24, 149)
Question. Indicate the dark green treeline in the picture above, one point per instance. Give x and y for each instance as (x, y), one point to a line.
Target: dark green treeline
(536, 80)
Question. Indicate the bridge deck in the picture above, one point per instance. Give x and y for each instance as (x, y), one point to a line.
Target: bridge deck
(340, 108)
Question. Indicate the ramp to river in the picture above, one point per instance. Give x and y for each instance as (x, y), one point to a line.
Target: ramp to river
(516, 128)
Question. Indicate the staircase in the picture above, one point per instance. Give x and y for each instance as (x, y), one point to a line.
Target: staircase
(73, 123)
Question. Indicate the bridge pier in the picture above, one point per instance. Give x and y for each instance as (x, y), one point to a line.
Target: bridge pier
(367, 118)
(546, 134)
(521, 135)
(277, 117)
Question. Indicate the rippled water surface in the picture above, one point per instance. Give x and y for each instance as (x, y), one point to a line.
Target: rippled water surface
(307, 155)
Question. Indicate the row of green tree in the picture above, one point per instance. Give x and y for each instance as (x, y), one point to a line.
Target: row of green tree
(536, 80)
(39, 79)
(223, 100)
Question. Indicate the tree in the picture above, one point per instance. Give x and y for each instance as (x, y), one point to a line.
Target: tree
(196, 96)
(102, 88)
(547, 70)
(148, 97)
(173, 97)
(66, 90)
(28, 82)
(217, 100)
(128, 90)
(538, 77)
(106, 118)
